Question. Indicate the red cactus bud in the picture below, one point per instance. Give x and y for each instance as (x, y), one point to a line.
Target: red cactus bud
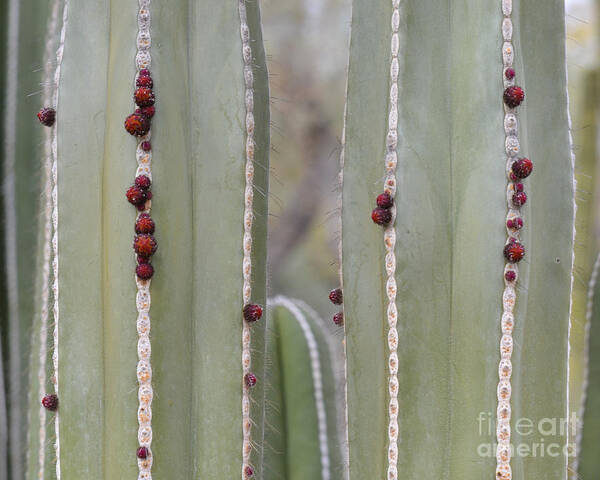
(519, 187)
(338, 319)
(522, 168)
(142, 453)
(510, 276)
(513, 96)
(252, 312)
(519, 199)
(137, 124)
(250, 380)
(509, 73)
(50, 402)
(144, 245)
(381, 216)
(248, 471)
(336, 296)
(144, 97)
(144, 81)
(144, 224)
(47, 116)
(144, 72)
(135, 195)
(148, 111)
(144, 271)
(146, 146)
(514, 251)
(385, 200)
(143, 182)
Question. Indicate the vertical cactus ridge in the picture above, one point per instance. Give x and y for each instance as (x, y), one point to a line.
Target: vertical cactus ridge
(145, 457)
(43, 290)
(512, 250)
(246, 467)
(391, 161)
(450, 228)
(55, 236)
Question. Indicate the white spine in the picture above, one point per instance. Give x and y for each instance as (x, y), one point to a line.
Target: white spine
(143, 60)
(391, 160)
(55, 258)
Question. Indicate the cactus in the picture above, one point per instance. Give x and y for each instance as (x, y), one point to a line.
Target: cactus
(304, 424)
(450, 228)
(424, 280)
(204, 91)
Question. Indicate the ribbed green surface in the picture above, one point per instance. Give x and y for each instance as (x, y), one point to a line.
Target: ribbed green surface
(450, 229)
(292, 422)
(199, 178)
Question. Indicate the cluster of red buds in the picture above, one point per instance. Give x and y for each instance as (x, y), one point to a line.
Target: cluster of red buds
(138, 123)
(521, 168)
(337, 298)
(382, 214)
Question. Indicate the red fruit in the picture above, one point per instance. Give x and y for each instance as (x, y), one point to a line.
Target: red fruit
(135, 195)
(144, 81)
(385, 200)
(142, 260)
(144, 245)
(144, 97)
(252, 312)
(248, 471)
(381, 216)
(513, 177)
(338, 319)
(47, 116)
(509, 73)
(50, 402)
(519, 199)
(144, 224)
(519, 187)
(522, 168)
(510, 276)
(336, 296)
(148, 111)
(250, 380)
(141, 207)
(144, 271)
(146, 146)
(513, 96)
(142, 453)
(137, 124)
(144, 72)
(143, 182)
(514, 251)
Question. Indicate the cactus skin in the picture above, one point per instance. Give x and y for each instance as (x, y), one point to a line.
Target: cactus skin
(450, 228)
(198, 153)
(291, 420)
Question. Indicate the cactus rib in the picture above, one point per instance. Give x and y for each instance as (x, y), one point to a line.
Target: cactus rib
(391, 161)
(247, 469)
(49, 91)
(55, 257)
(143, 60)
